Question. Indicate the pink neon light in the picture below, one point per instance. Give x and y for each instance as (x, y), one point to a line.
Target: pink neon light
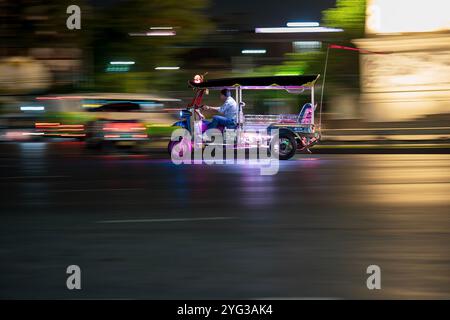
(124, 126)
(335, 46)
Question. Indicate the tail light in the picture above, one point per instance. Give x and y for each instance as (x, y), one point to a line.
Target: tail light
(124, 127)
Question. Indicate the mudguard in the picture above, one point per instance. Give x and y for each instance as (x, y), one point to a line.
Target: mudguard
(181, 123)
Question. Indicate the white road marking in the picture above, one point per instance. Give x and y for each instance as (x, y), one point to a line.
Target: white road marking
(96, 190)
(297, 298)
(166, 220)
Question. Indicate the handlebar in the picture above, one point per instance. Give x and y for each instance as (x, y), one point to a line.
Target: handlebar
(197, 111)
(198, 107)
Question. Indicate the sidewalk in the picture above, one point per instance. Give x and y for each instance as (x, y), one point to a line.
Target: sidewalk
(431, 132)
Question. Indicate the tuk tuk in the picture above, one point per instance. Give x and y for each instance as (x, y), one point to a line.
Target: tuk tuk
(296, 132)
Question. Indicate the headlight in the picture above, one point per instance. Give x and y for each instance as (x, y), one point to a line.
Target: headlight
(185, 114)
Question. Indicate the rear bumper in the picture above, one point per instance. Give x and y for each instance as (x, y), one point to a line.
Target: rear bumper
(126, 139)
(125, 136)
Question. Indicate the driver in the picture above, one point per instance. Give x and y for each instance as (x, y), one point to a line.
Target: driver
(228, 110)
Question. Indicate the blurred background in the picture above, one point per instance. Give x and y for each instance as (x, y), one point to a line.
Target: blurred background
(51, 74)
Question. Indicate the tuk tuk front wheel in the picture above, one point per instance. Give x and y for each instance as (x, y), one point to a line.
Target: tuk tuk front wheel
(178, 149)
(287, 146)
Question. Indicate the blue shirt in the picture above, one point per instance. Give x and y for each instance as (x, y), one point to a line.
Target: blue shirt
(229, 109)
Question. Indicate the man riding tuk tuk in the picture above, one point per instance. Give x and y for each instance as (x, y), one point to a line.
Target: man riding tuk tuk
(295, 131)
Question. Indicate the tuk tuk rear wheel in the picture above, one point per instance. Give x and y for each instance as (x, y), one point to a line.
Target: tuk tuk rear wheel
(287, 146)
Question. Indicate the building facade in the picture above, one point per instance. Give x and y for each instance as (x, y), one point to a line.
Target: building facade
(410, 78)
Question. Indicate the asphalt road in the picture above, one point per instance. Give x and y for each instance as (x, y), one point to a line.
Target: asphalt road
(141, 227)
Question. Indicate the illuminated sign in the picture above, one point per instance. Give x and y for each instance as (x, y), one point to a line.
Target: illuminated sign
(399, 16)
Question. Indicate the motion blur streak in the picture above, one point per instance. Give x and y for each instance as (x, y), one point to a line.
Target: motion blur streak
(309, 231)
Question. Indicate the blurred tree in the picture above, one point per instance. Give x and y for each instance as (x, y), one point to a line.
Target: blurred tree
(30, 24)
(349, 15)
(112, 41)
(105, 36)
(36, 28)
(343, 66)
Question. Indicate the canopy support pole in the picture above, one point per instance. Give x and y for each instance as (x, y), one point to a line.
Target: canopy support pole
(313, 104)
(238, 117)
(323, 87)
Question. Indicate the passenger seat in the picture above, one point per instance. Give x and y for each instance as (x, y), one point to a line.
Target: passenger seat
(305, 115)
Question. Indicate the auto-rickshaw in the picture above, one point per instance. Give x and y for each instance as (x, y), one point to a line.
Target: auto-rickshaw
(295, 131)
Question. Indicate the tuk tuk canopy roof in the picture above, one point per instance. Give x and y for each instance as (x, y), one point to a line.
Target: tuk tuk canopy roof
(260, 83)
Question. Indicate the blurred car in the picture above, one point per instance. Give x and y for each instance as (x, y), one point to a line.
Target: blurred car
(122, 123)
(18, 127)
(118, 124)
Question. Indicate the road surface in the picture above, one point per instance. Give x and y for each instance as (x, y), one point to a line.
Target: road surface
(139, 226)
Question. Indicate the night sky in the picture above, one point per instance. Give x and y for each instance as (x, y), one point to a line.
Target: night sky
(259, 13)
(271, 13)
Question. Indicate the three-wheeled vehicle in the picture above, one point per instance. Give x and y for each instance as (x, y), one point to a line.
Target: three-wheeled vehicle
(295, 131)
